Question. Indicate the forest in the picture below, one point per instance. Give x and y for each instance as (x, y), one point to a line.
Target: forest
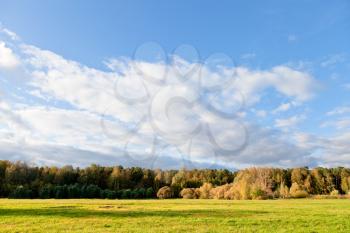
(19, 180)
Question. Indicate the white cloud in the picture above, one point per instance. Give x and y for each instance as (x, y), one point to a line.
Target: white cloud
(96, 113)
(271, 147)
(340, 124)
(294, 84)
(283, 107)
(289, 122)
(11, 34)
(333, 59)
(336, 151)
(339, 111)
(343, 123)
(8, 59)
(261, 113)
(332, 151)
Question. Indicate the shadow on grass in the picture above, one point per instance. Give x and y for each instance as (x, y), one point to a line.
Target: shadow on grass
(77, 212)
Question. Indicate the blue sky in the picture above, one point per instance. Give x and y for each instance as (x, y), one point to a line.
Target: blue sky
(90, 32)
(291, 65)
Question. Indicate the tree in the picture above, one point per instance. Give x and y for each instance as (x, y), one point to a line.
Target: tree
(179, 179)
(3, 186)
(19, 179)
(299, 175)
(17, 174)
(284, 191)
(66, 175)
(115, 178)
(345, 180)
(136, 175)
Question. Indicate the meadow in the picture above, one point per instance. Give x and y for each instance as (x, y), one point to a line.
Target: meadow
(175, 215)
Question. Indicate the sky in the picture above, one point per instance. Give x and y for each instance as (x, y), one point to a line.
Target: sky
(196, 84)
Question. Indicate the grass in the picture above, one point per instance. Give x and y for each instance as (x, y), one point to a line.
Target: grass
(304, 215)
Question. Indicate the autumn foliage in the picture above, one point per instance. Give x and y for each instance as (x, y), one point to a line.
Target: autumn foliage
(19, 180)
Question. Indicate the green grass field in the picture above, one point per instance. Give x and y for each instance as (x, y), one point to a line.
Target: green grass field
(174, 216)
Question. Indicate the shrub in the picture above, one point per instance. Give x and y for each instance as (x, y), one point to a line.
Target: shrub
(232, 193)
(259, 194)
(92, 191)
(126, 193)
(149, 193)
(164, 192)
(221, 192)
(21, 192)
(335, 192)
(60, 192)
(297, 191)
(108, 194)
(284, 191)
(138, 193)
(74, 191)
(204, 191)
(188, 193)
(134, 194)
(326, 197)
(118, 194)
(175, 190)
(300, 194)
(45, 192)
(142, 192)
(252, 183)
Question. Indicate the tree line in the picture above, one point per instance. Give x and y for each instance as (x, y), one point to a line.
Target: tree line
(270, 183)
(19, 180)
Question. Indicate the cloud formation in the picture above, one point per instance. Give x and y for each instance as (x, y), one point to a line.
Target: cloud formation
(8, 60)
(137, 112)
